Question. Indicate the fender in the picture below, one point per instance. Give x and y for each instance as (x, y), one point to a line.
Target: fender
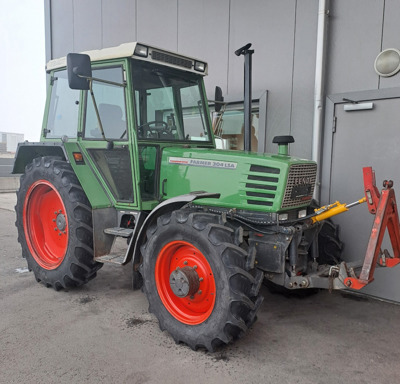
(166, 206)
(27, 151)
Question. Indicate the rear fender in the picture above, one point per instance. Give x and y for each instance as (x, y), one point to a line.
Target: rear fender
(27, 151)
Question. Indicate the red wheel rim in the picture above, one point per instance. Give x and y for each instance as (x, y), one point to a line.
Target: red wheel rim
(45, 224)
(192, 309)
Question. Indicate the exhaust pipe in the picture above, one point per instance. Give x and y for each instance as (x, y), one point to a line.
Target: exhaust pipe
(247, 53)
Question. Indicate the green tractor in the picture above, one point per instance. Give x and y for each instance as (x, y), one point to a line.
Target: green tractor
(127, 170)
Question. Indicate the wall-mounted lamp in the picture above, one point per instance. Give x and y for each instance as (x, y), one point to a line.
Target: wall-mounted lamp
(387, 63)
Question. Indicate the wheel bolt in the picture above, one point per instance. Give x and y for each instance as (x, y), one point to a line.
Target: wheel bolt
(55, 228)
(194, 266)
(192, 297)
(200, 292)
(201, 279)
(185, 262)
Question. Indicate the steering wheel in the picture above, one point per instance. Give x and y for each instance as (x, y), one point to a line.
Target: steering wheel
(147, 131)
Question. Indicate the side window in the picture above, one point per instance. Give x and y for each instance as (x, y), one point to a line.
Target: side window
(64, 107)
(110, 100)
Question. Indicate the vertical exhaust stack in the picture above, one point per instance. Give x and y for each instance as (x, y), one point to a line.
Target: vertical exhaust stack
(247, 53)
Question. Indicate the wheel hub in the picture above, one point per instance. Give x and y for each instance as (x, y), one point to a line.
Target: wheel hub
(61, 222)
(184, 281)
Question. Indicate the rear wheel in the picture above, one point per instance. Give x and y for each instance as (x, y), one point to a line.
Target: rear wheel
(54, 223)
(196, 279)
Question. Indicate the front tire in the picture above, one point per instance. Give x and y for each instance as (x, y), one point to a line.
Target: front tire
(197, 281)
(54, 222)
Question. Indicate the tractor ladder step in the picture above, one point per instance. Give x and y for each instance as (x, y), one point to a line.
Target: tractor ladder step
(119, 248)
(119, 231)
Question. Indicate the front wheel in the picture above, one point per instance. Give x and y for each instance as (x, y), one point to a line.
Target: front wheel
(196, 279)
(54, 222)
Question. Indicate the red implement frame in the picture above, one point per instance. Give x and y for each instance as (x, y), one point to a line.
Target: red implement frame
(384, 207)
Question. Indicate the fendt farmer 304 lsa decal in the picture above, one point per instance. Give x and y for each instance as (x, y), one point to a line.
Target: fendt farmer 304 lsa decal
(126, 170)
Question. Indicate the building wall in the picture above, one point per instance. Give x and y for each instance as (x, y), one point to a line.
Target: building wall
(284, 36)
(9, 141)
(283, 33)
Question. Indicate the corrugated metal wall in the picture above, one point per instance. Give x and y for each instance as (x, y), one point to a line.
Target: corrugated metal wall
(283, 33)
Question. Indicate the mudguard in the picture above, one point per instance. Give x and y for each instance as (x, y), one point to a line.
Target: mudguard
(166, 206)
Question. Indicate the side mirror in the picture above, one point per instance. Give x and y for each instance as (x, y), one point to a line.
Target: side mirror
(219, 99)
(79, 71)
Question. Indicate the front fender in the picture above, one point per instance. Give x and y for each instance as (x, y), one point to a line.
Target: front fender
(166, 206)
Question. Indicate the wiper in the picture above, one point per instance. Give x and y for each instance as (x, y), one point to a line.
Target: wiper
(200, 106)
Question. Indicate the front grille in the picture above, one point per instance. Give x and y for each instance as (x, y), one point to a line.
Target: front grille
(261, 185)
(300, 185)
(170, 59)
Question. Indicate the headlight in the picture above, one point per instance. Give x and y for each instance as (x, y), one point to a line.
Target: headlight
(199, 66)
(141, 50)
(302, 213)
(283, 216)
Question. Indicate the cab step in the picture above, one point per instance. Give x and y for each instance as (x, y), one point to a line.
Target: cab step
(119, 231)
(115, 259)
(119, 247)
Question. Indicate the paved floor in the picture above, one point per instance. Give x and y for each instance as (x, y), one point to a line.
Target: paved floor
(102, 333)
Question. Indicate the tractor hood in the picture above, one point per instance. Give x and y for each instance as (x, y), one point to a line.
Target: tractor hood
(257, 182)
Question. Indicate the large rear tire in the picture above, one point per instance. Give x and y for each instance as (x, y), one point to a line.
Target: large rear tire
(199, 284)
(54, 222)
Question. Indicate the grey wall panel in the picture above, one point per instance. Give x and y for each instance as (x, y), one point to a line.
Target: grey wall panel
(353, 133)
(62, 24)
(391, 38)
(269, 25)
(203, 29)
(47, 29)
(355, 38)
(157, 23)
(87, 25)
(303, 77)
(118, 22)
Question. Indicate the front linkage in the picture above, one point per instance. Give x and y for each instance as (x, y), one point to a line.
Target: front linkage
(353, 275)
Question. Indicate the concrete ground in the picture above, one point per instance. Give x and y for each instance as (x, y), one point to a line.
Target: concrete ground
(102, 333)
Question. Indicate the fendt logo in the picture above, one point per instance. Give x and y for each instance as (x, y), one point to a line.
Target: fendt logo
(302, 180)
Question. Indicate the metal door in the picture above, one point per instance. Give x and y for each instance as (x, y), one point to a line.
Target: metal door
(365, 138)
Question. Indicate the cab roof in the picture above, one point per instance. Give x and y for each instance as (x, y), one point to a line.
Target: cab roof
(136, 50)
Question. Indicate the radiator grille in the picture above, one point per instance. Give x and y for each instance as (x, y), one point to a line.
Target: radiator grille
(300, 185)
(261, 185)
(170, 59)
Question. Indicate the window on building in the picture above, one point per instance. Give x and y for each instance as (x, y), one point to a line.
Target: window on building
(228, 126)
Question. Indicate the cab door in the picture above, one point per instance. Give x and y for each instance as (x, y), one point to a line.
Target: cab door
(110, 151)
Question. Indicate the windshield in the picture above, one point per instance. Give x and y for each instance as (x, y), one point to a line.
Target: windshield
(169, 104)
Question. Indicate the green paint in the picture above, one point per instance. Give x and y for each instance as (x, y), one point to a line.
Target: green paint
(239, 177)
